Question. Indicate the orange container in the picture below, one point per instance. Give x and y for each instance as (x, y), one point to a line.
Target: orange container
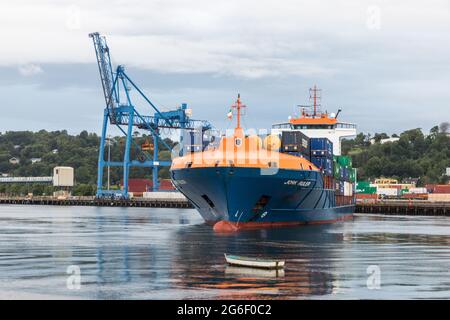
(366, 196)
(441, 188)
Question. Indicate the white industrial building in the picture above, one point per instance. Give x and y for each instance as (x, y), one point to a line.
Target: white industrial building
(63, 176)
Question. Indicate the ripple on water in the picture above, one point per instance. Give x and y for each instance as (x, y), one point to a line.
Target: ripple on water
(146, 253)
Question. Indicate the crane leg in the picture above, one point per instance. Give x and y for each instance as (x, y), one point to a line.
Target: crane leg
(101, 155)
(126, 157)
(155, 164)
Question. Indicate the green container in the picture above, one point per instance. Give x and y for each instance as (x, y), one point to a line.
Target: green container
(337, 170)
(352, 175)
(371, 190)
(367, 190)
(344, 161)
(403, 191)
(362, 184)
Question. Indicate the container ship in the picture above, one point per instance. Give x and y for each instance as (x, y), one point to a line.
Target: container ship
(293, 175)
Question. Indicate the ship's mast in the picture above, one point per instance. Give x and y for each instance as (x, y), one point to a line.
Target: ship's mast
(238, 105)
(314, 94)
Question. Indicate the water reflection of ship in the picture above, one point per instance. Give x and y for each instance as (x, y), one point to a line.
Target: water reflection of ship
(199, 262)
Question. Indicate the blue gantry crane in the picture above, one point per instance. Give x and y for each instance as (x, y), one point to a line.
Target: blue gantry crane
(122, 113)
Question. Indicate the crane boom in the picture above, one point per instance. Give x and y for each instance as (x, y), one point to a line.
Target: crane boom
(106, 72)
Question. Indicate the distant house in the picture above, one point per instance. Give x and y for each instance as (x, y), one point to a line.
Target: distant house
(35, 160)
(394, 139)
(55, 151)
(17, 146)
(411, 180)
(14, 160)
(4, 175)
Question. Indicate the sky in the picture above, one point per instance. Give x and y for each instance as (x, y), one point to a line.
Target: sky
(386, 64)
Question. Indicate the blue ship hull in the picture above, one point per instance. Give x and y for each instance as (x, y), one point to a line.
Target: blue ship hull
(246, 196)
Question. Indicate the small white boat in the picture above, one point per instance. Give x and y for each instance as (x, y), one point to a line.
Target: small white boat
(254, 262)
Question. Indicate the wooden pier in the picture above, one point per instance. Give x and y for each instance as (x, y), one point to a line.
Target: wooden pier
(91, 201)
(410, 208)
(405, 207)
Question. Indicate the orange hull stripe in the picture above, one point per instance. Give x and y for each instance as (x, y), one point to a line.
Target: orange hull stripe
(227, 226)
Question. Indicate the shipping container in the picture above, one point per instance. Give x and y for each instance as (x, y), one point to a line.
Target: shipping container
(367, 190)
(352, 175)
(295, 141)
(348, 189)
(342, 173)
(415, 196)
(192, 141)
(324, 164)
(345, 173)
(366, 196)
(417, 190)
(337, 170)
(173, 195)
(344, 161)
(391, 192)
(138, 186)
(321, 147)
(403, 191)
(441, 188)
(437, 197)
(362, 184)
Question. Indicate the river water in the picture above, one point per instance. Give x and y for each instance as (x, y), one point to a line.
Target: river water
(146, 253)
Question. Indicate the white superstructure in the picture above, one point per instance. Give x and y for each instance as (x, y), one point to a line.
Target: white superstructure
(316, 124)
(334, 132)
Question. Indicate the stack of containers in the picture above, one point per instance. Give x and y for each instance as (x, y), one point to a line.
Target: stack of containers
(337, 175)
(364, 191)
(322, 155)
(345, 174)
(440, 192)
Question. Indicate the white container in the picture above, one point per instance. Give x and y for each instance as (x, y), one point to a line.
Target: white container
(161, 195)
(348, 189)
(418, 190)
(387, 191)
(439, 197)
(63, 177)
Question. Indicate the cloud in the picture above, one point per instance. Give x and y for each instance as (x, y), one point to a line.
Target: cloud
(249, 39)
(378, 69)
(30, 69)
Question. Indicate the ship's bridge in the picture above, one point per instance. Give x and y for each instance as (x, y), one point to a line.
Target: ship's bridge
(320, 127)
(317, 124)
